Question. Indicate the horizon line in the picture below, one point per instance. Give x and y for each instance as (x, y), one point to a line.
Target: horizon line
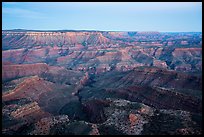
(95, 30)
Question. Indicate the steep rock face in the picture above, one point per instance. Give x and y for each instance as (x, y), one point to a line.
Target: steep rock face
(29, 113)
(14, 56)
(162, 77)
(29, 88)
(150, 76)
(16, 71)
(91, 82)
(79, 57)
(140, 56)
(13, 40)
(46, 94)
(186, 59)
(62, 76)
(155, 87)
(179, 52)
(95, 110)
(79, 48)
(161, 64)
(49, 96)
(109, 57)
(52, 89)
(161, 99)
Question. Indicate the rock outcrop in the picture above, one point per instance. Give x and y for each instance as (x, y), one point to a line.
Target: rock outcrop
(82, 50)
(16, 71)
(101, 83)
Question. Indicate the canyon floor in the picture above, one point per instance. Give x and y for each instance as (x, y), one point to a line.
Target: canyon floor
(101, 83)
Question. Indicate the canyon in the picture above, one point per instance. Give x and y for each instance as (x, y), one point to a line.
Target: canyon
(101, 83)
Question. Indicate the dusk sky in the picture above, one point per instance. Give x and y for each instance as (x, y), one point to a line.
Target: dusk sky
(110, 16)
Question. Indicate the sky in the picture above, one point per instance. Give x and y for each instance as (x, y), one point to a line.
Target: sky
(104, 16)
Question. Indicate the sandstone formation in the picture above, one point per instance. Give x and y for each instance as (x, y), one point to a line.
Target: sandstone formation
(101, 83)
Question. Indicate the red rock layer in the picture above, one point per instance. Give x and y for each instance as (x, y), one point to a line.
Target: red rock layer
(16, 71)
(30, 88)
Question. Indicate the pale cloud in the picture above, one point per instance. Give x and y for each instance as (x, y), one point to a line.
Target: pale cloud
(130, 5)
(116, 6)
(104, 15)
(123, 7)
(24, 13)
(154, 6)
